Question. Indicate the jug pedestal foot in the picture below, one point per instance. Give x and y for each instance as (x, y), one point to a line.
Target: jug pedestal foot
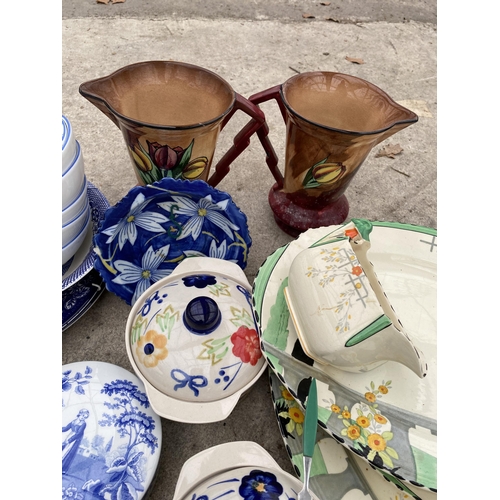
(294, 219)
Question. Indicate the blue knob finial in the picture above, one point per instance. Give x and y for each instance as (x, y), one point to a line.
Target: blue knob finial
(202, 315)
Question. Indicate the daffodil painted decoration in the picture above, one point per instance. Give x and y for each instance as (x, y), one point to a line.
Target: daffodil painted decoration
(386, 416)
(155, 227)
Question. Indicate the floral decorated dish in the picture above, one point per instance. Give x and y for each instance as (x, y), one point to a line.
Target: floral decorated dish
(192, 338)
(336, 472)
(153, 228)
(111, 438)
(375, 414)
(80, 297)
(339, 308)
(240, 470)
(83, 260)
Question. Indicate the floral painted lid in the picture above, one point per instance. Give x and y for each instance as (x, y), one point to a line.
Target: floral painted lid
(153, 228)
(111, 438)
(192, 338)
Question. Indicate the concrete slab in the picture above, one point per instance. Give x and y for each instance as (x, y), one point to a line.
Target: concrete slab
(252, 56)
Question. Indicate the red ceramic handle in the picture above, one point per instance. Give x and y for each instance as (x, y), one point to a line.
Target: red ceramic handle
(266, 95)
(241, 140)
(272, 159)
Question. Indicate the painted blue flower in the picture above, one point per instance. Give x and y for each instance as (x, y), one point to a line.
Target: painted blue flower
(198, 213)
(199, 280)
(145, 274)
(126, 229)
(217, 252)
(259, 485)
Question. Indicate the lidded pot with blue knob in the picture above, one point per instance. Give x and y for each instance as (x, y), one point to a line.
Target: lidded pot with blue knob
(193, 339)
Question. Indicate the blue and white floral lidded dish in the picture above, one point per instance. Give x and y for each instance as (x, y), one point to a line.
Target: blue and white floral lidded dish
(238, 470)
(111, 438)
(192, 338)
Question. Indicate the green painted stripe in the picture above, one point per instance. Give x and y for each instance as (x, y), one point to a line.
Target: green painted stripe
(426, 467)
(276, 332)
(371, 329)
(407, 227)
(263, 276)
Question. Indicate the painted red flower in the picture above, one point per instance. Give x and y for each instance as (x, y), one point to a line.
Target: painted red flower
(246, 345)
(164, 157)
(351, 233)
(357, 270)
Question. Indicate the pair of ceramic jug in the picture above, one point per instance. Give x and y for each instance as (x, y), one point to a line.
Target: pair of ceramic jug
(171, 114)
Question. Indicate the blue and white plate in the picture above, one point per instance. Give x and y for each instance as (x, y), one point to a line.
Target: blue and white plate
(111, 438)
(153, 228)
(79, 298)
(83, 261)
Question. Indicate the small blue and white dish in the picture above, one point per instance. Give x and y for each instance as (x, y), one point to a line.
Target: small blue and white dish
(238, 470)
(79, 298)
(83, 260)
(153, 228)
(111, 438)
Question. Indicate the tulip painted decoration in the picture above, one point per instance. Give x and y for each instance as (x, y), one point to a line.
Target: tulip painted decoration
(332, 123)
(157, 161)
(170, 114)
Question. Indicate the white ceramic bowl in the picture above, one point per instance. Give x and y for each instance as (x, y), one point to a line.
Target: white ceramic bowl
(235, 471)
(72, 247)
(72, 211)
(68, 144)
(73, 179)
(192, 339)
(74, 226)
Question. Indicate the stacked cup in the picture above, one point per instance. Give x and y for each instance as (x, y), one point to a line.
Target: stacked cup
(75, 203)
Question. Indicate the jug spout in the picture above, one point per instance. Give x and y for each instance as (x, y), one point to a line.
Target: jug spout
(90, 90)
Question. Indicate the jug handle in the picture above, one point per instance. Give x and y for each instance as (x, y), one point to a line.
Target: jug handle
(260, 97)
(242, 139)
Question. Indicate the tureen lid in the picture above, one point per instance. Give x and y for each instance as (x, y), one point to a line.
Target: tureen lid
(111, 438)
(192, 338)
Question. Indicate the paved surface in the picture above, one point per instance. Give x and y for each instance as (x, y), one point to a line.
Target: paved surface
(253, 47)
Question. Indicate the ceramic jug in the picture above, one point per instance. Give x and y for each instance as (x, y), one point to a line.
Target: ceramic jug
(332, 122)
(170, 114)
